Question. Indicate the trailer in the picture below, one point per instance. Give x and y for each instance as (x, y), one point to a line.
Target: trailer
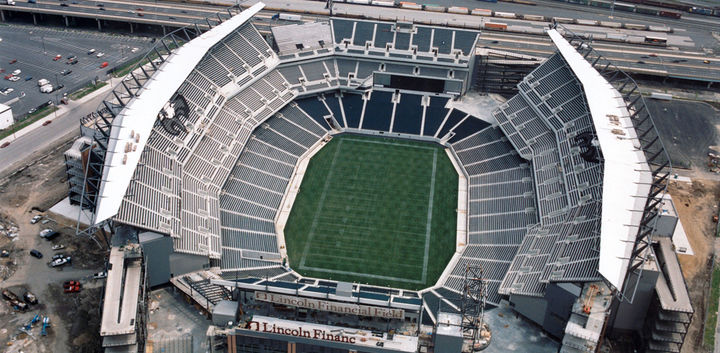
(289, 17)
(458, 10)
(496, 26)
(534, 17)
(504, 14)
(634, 26)
(410, 5)
(383, 3)
(481, 12)
(661, 96)
(563, 20)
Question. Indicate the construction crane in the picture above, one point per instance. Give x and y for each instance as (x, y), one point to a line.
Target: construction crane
(587, 305)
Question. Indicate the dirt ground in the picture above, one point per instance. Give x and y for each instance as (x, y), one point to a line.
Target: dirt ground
(696, 204)
(24, 192)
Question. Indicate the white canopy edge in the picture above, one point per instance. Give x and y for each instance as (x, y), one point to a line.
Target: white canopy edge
(132, 126)
(626, 177)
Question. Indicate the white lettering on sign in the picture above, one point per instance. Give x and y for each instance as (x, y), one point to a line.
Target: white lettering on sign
(335, 307)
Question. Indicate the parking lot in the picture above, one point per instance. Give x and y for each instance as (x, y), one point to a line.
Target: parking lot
(34, 48)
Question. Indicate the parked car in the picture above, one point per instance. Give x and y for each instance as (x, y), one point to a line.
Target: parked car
(100, 275)
(14, 78)
(45, 232)
(28, 78)
(72, 62)
(65, 72)
(100, 54)
(57, 57)
(30, 298)
(64, 4)
(17, 72)
(72, 286)
(71, 57)
(91, 51)
(58, 256)
(52, 235)
(58, 247)
(4, 253)
(36, 253)
(35, 219)
(8, 90)
(104, 65)
(13, 61)
(5, 144)
(61, 261)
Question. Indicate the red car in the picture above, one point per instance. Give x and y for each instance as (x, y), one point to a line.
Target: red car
(104, 64)
(57, 57)
(72, 286)
(139, 9)
(13, 61)
(5, 144)
(47, 122)
(7, 77)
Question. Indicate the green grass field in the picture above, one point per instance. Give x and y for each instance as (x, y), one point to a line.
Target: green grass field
(375, 210)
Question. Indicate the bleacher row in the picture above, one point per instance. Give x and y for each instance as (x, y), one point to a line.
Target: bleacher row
(337, 72)
(403, 41)
(254, 190)
(547, 121)
(176, 185)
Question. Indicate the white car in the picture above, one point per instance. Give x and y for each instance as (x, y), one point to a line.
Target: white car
(60, 261)
(8, 90)
(58, 247)
(45, 232)
(35, 219)
(14, 78)
(17, 72)
(100, 54)
(134, 50)
(100, 275)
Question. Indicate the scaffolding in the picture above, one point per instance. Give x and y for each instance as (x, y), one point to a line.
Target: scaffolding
(475, 331)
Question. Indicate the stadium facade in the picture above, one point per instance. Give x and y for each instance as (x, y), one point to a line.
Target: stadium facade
(560, 204)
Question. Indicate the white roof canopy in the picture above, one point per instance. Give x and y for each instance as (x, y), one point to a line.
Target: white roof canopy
(626, 177)
(133, 125)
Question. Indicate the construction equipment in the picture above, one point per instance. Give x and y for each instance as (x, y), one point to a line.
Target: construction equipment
(587, 306)
(45, 324)
(32, 322)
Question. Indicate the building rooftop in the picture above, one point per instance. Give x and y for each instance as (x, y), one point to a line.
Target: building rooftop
(121, 292)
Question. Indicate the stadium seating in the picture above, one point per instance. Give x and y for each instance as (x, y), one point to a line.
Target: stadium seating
(255, 187)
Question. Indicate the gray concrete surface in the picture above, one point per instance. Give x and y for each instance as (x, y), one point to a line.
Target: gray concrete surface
(35, 47)
(173, 324)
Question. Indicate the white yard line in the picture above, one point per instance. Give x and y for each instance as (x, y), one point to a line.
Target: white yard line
(428, 225)
(320, 204)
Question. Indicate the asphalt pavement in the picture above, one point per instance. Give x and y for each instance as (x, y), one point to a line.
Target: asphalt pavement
(66, 124)
(34, 48)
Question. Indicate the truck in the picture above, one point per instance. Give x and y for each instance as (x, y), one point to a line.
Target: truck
(47, 88)
(42, 82)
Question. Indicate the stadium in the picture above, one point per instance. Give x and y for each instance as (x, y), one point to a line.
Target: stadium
(348, 176)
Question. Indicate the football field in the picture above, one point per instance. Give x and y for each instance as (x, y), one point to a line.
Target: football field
(375, 210)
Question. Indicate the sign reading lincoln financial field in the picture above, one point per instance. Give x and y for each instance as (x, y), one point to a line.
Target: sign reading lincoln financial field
(335, 307)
